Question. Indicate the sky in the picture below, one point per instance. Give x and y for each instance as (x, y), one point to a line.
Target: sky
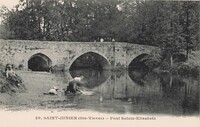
(8, 3)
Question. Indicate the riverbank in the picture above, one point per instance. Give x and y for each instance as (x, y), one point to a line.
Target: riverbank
(36, 84)
(116, 95)
(190, 67)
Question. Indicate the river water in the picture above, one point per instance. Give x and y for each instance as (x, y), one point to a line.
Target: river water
(133, 92)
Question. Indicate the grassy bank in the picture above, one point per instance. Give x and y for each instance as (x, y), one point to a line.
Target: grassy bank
(10, 85)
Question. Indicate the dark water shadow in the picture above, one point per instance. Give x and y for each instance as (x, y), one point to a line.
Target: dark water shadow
(92, 77)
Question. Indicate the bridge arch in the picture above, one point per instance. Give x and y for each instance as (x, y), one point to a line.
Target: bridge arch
(39, 62)
(137, 69)
(101, 59)
(138, 61)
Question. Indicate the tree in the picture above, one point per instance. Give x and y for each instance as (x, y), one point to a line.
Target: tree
(190, 23)
(4, 29)
(171, 25)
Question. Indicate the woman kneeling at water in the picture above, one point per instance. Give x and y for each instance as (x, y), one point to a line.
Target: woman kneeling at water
(75, 86)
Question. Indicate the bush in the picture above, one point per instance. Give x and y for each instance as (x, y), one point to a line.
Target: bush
(186, 69)
(152, 61)
(195, 70)
(165, 66)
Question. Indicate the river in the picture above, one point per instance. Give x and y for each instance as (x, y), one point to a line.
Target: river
(121, 92)
(135, 92)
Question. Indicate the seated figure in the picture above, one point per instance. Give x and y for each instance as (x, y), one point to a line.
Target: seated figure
(12, 76)
(9, 71)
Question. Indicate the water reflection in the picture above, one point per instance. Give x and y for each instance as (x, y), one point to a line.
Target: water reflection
(92, 77)
(119, 92)
(138, 70)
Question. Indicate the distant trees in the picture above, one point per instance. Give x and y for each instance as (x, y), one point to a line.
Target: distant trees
(171, 25)
(71, 20)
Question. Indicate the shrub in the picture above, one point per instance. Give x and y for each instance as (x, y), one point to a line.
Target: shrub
(195, 71)
(165, 66)
(152, 61)
(11, 85)
(186, 69)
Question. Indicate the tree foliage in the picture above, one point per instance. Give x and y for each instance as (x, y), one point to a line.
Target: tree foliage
(171, 25)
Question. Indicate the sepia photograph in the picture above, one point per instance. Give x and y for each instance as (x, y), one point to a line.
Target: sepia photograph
(99, 63)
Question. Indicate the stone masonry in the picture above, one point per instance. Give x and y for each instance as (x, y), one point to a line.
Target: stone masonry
(116, 54)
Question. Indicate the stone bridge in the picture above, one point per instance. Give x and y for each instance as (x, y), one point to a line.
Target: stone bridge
(110, 55)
